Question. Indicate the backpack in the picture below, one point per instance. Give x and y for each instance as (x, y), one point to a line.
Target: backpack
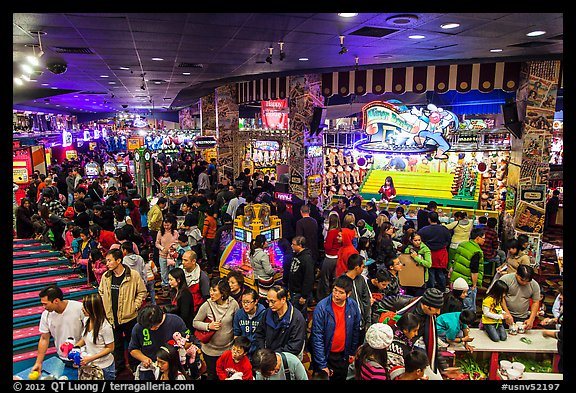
(90, 372)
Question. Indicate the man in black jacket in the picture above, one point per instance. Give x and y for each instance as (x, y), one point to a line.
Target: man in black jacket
(301, 279)
(356, 209)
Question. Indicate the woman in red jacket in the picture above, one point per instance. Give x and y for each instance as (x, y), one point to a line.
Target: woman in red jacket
(345, 251)
(133, 212)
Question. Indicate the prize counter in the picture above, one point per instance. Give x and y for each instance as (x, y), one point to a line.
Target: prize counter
(236, 256)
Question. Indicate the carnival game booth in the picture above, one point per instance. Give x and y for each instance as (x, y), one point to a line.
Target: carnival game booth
(236, 256)
(428, 152)
(25, 160)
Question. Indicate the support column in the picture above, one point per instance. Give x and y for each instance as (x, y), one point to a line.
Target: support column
(306, 171)
(227, 126)
(208, 113)
(530, 155)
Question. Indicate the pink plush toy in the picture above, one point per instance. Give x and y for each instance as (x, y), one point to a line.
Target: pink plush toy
(181, 342)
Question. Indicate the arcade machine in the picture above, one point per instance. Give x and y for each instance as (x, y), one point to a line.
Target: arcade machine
(143, 172)
(25, 160)
(110, 167)
(256, 221)
(92, 170)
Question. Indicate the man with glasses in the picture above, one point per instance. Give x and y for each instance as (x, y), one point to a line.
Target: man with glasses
(153, 329)
(248, 317)
(336, 330)
(282, 327)
(522, 288)
(469, 264)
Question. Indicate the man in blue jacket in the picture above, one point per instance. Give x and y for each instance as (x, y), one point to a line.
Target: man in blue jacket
(248, 317)
(335, 330)
(282, 327)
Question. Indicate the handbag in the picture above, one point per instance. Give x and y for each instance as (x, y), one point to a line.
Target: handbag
(205, 335)
(90, 372)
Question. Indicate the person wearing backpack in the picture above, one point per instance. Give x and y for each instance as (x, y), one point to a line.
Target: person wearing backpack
(277, 366)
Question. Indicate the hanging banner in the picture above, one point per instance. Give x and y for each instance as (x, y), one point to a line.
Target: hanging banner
(274, 114)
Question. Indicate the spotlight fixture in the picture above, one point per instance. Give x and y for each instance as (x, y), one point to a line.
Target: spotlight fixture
(269, 58)
(356, 63)
(143, 87)
(343, 49)
(282, 54)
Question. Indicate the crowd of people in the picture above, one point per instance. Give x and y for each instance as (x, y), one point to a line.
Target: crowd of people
(340, 300)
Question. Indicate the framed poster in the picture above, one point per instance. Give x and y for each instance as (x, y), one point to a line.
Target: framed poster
(529, 218)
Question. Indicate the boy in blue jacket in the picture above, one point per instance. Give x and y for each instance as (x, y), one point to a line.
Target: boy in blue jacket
(247, 318)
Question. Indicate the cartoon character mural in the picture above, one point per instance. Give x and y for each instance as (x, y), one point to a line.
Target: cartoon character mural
(431, 124)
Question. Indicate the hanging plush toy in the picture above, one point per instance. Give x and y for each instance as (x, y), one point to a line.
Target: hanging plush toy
(340, 175)
(348, 175)
(356, 174)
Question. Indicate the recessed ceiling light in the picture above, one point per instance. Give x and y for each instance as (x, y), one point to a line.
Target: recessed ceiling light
(416, 37)
(303, 59)
(111, 83)
(536, 33)
(495, 50)
(86, 99)
(104, 76)
(185, 73)
(45, 84)
(156, 83)
(75, 96)
(347, 15)
(450, 25)
(18, 81)
(157, 59)
(53, 88)
(124, 68)
(26, 68)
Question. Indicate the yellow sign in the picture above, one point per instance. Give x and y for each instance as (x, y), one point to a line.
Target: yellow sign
(20, 175)
(71, 154)
(92, 145)
(209, 154)
(134, 143)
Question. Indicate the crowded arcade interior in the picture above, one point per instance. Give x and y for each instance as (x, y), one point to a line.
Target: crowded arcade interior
(369, 216)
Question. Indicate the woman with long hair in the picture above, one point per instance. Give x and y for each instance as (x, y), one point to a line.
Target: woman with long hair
(219, 309)
(387, 191)
(332, 244)
(24, 224)
(167, 236)
(384, 243)
(372, 357)
(182, 302)
(493, 314)
(144, 208)
(421, 254)
(98, 337)
(133, 212)
(260, 262)
(169, 366)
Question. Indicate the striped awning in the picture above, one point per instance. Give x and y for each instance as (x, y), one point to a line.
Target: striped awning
(483, 77)
(262, 89)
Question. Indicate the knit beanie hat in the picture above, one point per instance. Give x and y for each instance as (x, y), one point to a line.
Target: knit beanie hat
(433, 298)
(460, 284)
(379, 336)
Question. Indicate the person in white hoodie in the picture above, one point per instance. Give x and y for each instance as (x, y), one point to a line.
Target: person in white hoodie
(134, 261)
(260, 261)
(461, 226)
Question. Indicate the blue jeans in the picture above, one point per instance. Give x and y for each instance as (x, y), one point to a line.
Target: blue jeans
(164, 270)
(151, 291)
(495, 333)
(437, 274)
(470, 300)
(110, 372)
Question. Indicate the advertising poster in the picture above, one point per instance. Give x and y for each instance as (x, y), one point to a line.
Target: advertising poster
(533, 194)
(274, 114)
(534, 247)
(529, 218)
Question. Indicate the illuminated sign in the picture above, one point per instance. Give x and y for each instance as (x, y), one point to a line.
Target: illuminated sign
(96, 134)
(314, 151)
(379, 112)
(282, 196)
(204, 142)
(274, 114)
(87, 135)
(266, 145)
(139, 123)
(66, 138)
(71, 154)
(134, 143)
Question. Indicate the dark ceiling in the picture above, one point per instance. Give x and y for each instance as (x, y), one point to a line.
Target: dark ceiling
(203, 51)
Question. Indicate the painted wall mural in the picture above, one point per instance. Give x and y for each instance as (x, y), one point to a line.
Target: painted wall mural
(227, 125)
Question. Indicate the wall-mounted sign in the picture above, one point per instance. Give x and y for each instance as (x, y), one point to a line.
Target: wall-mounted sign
(295, 179)
(20, 175)
(204, 142)
(92, 145)
(134, 143)
(66, 138)
(314, 185)
(282, 196)
(314, 151)
(87, 135)
(274, 114)
(534, 194)
(71, 154)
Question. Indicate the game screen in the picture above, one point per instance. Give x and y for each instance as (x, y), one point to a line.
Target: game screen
(240, 252)
(92, 169)
(240, 234)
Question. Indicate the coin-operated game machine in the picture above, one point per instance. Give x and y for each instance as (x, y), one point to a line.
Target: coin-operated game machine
(92, 170)
(110, 167)
(255, 221)
(143, 172)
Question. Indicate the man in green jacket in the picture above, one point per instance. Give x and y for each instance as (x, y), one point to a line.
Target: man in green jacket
(469, 264)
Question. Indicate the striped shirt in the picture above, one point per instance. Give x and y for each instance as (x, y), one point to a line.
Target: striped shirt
(372, 370)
